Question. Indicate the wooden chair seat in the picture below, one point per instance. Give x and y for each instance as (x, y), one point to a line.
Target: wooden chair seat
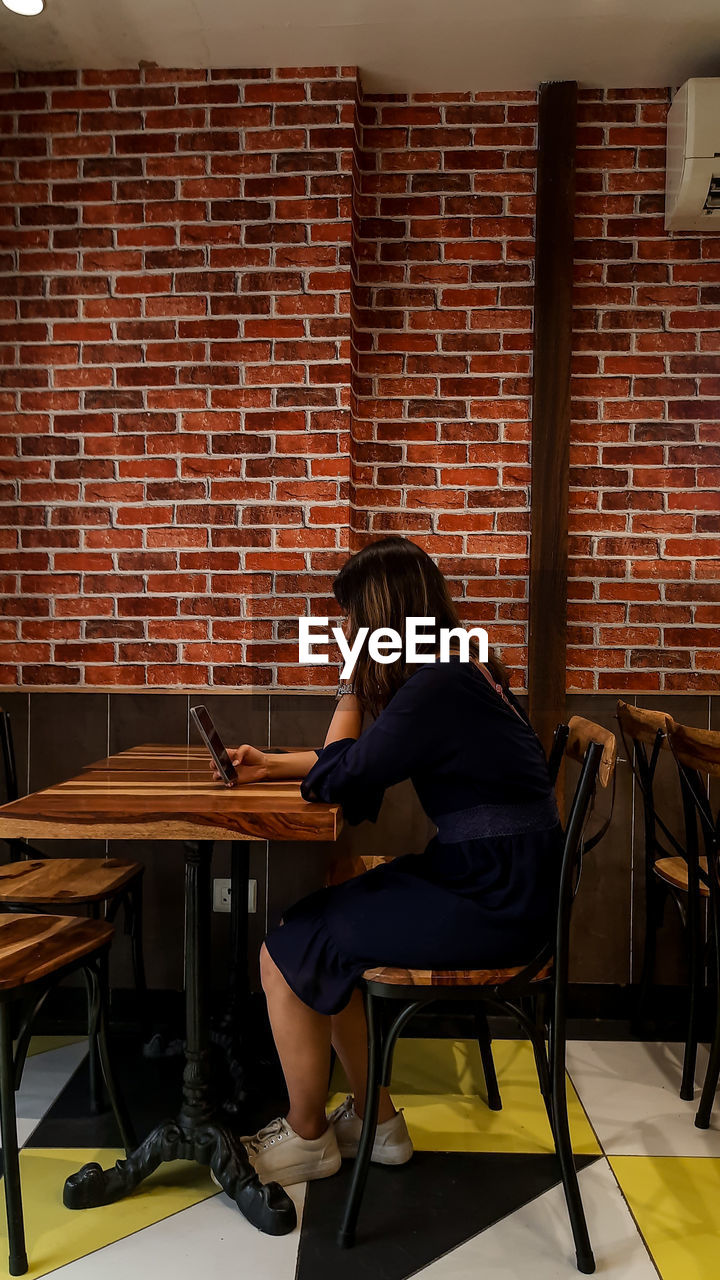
(34, 946)
(449, 977)
(56, 881)
(674, 871)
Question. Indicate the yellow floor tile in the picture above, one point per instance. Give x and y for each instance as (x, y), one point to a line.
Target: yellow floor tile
(676, 1203)
(441, 1086)
(43, 1044)
(56, 1235)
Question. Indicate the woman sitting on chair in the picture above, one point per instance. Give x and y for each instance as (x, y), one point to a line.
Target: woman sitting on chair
(482, 895)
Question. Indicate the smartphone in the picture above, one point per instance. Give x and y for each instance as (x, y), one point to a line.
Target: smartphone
(214, 744)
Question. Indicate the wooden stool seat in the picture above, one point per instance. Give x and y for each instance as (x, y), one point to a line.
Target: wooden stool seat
(62, 881)
(674, 871)
(449, 977)
(34, 946)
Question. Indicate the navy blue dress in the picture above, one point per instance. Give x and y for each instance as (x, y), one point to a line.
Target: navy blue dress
(483, 893)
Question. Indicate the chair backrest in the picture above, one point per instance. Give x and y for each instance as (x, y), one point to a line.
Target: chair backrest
(18, 848)
(584, 732)
(572, 740)
(639, 724)
(697, 749)
(557, 751)
(645, 737)
(8, 757)
(595, 748)
(697, 753)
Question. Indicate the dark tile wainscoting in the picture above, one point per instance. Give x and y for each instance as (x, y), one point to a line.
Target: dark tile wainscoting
(56, 733)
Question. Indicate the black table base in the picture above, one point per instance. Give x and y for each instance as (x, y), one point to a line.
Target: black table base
(229, 1033)
(268, 1208)
(198, 1133)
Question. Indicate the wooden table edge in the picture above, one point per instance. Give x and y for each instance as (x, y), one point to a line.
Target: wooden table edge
(164, 830)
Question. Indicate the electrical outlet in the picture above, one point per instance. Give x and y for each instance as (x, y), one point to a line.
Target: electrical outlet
(222, 894)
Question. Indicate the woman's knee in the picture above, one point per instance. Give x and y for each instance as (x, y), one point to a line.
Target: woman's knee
(269, 972)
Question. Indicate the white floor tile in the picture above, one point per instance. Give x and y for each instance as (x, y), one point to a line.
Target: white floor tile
(24, 1129)
(536, 1240)
(210, 1239)
(44, 1077)
(631, 1094)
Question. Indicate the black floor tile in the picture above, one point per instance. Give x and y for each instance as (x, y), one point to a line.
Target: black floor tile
(414, 1214)
(150, 1087)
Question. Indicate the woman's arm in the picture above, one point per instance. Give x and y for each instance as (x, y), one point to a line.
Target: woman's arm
(347, 720)
(252, 764)
(288, 764)
(346, 723)
(405, 738)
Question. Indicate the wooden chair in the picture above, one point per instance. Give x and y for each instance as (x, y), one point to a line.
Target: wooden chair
(671, 870)
(36, 953)
(31, 881)
(697, 752)
(507, 990)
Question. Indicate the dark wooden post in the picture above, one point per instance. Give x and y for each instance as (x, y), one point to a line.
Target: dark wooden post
(552, 350)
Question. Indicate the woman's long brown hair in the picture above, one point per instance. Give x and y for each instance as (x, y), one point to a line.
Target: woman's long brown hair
(381, 585)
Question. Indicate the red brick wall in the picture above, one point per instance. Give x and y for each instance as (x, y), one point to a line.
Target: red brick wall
(444, 337)
(249, 319)
(645, 517)
(175, 411)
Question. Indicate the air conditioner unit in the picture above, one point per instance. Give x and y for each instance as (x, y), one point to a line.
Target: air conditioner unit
(692, 185)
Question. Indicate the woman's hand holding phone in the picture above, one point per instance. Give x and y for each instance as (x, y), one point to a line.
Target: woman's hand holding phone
(250, 764)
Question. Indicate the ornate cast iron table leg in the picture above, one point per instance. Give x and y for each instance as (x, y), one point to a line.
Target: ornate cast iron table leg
(240, 879)
(196, 1134)
(228, 1034)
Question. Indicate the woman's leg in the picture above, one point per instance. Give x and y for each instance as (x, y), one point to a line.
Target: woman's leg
(349, 1036)
(302, 1038)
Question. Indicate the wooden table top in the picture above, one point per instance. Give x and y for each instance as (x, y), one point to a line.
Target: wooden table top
(154, 792)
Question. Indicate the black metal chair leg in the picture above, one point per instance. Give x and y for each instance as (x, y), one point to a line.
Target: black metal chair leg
(712, 1073)
(98, 1103)
(24, 1036)
(655, 900)
(563, 1147)
(17, 1262)
(707, 1098)
(122, 1119)
(346, 1235)
(484, 1039)
(134, 903)
(539, 1039)
(543, 1069)
(333, 1060)
(687, 1086)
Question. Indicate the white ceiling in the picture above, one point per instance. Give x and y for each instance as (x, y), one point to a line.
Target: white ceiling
(400, 45)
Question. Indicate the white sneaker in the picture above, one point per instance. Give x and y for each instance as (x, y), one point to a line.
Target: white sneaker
(392, 1141)
(278, 1154)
